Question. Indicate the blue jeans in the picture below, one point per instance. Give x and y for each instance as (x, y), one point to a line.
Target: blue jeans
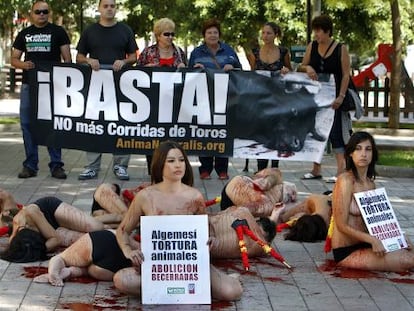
(30, 145)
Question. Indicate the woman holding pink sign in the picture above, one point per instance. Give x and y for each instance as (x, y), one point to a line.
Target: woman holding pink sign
(353, 246)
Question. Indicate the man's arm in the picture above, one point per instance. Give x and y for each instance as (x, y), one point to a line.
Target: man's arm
(16, 61)
(65, 52)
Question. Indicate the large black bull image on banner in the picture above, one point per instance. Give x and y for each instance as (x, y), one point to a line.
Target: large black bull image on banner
(273, 111)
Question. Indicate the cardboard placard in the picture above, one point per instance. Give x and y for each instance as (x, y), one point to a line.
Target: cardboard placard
(176, 268)
(380, 219)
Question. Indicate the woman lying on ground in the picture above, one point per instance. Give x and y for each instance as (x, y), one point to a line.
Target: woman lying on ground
(171, 193)
(96, 254)
(59, 223)
(353, 246)
(259, 194)
(310, 219)
(110, 205)
(227, 245)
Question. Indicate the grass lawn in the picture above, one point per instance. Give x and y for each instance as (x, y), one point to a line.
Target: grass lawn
(403, 158)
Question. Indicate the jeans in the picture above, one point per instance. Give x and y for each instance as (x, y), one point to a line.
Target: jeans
(30, 145)
(94, 160)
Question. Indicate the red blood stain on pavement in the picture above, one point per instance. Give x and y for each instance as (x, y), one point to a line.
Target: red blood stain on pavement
(218, 305)
(233, 265)
(346, 273)
(33, 271)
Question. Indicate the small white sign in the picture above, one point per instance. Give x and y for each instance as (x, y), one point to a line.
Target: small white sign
(380, 219)
(176, 267)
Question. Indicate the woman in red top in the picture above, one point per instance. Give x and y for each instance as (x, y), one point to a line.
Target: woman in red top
(162, 54)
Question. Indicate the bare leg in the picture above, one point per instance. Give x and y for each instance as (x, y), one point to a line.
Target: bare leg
(365, 259)
(100, 273)
(73, 218)
(109, 200)
(68, 237)
(317, 168)
(340, 163)
(223, 286)
(128, 281)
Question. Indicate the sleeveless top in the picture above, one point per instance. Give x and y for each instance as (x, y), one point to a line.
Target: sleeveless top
(331, 64)
(277, 65)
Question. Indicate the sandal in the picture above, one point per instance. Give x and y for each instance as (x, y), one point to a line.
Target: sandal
(311, 176)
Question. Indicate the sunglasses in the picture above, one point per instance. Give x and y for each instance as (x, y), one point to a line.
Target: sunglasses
(38, 12)
(169, 34)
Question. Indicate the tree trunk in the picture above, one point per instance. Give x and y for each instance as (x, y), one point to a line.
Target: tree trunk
(395, 89)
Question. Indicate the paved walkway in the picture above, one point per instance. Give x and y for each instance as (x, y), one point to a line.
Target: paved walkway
(313, 284)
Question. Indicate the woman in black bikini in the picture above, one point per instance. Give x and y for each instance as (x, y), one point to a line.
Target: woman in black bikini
(57, 222)
(352, 245)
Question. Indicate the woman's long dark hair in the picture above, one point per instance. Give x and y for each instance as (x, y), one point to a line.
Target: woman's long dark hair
(355, 139)
(27, 246)
(158, 162)
(308, 228)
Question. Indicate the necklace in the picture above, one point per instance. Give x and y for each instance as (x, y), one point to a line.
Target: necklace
(165, 50)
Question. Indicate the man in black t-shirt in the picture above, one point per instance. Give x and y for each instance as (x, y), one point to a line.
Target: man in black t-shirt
(40, 42)
(112, 45)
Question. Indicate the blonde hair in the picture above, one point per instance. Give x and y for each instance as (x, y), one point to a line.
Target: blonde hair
(162, 24)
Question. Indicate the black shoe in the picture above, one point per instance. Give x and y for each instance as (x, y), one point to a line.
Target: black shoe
(59, 173)
(27, 173)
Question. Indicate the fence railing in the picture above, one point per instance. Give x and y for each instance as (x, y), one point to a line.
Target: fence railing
(10, 80)
(376, 100)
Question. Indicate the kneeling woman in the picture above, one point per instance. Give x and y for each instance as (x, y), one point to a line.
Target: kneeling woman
(59, 223)
(353, 246)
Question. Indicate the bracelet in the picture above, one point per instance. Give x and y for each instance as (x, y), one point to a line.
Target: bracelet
(342, 95)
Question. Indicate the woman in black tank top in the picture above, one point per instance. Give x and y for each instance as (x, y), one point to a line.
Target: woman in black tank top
(325, 55)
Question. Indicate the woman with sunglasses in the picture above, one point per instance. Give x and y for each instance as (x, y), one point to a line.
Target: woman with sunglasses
(164, 53)
(325, 55)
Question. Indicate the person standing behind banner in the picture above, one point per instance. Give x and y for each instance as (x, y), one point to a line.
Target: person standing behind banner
(40, 42)
(213, 54)
(273, 58)
(325, 55)
(352, 245)
(162, 54)
(107, 42)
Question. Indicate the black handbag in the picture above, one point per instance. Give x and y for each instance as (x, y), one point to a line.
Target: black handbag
(351, 98)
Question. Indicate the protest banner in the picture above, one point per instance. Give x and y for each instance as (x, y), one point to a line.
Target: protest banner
(176, 267)
(380, 219)
(210, 112)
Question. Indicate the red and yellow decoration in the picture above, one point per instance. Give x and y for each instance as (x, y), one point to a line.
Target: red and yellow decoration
(241, 227)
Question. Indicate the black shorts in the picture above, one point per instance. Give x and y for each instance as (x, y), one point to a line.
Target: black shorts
(341, 253)
(225, 201)
(48, 206)
(106, 252)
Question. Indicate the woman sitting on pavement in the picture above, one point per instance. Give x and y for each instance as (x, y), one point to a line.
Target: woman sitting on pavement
(171, 193)
(59, 223)
(309, 219)
(353, 246)
(96, 254)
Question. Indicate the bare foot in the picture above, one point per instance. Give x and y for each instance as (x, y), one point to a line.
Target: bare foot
(43, 278)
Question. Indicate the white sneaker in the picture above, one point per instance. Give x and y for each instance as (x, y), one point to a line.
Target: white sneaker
(121, 172)
(331, 180)
(88, 174)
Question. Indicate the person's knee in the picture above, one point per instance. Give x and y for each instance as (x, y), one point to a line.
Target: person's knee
(231, 293)
(127, 281)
